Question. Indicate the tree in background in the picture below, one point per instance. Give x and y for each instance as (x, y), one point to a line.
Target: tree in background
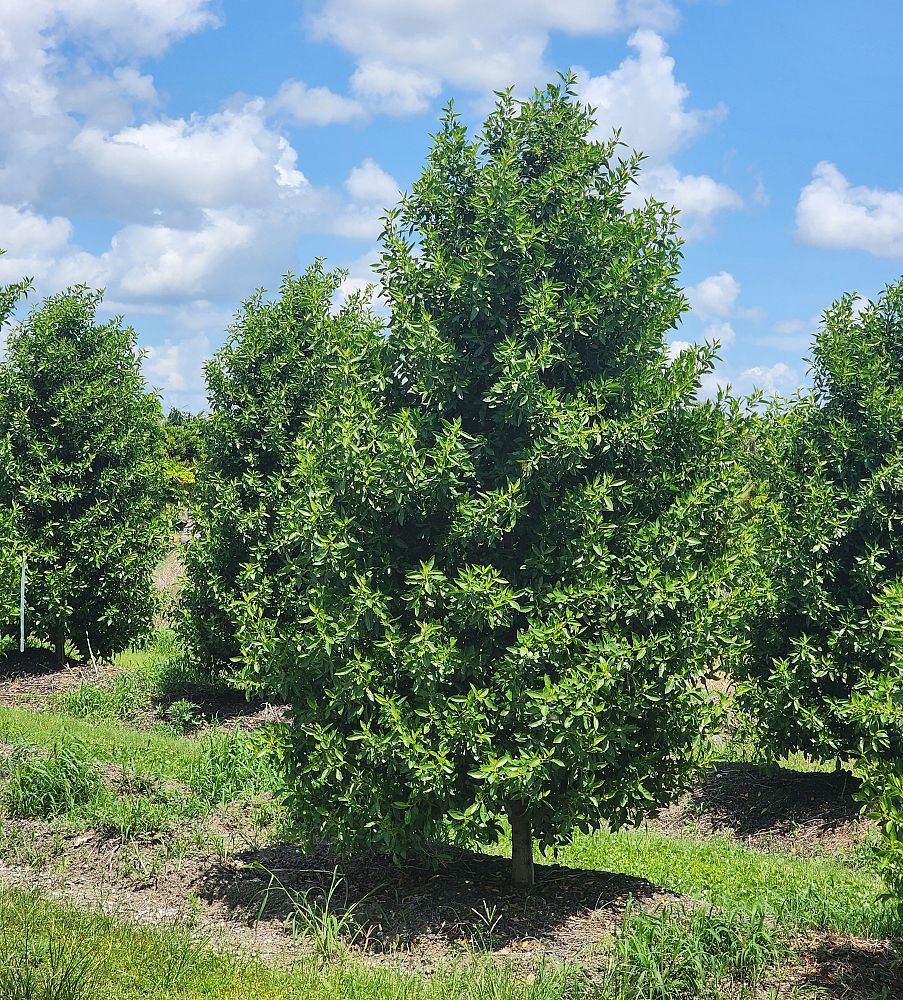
(830, 539)
(496, 562)
(10, 545)
(184, 439)
(86, 468)
(272, 372)
(824, 672)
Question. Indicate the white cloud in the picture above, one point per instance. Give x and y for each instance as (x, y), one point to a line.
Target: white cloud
(644, 99)
(777, 379)
(314, 105)
(372, 191)
(370, 184)
(175, 368)
(834, 214)
(715, 296)
(723, 332)
(698, 197)
(203, 162)
(394, 90)
(407, 49)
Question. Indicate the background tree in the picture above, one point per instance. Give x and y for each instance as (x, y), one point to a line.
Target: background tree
(261, 385)
(498, 563)
(830, 539)
(86, 468)
(10, 544)
(183, 433)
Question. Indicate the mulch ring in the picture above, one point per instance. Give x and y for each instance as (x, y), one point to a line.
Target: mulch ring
(798, 812)
(29, 680)
(425, 912)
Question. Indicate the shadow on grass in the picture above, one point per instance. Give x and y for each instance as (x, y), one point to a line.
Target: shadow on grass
(460, 897)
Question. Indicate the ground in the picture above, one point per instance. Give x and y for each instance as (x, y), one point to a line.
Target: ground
(187, 832)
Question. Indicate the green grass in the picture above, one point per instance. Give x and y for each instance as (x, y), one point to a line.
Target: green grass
(160, 777)
(62, 953)
(119, 961)
(813, 892)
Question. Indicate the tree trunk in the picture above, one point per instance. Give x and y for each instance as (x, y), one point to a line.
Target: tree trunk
(521, 847)
(59, 646)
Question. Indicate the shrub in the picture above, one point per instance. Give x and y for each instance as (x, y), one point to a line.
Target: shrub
(490, 567)
(85, 465)
(278, 362)
(830, 546)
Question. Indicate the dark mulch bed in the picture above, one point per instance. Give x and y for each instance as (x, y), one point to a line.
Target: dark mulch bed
(850, 968)
(27, 680)
(428, 909)
(796, 811)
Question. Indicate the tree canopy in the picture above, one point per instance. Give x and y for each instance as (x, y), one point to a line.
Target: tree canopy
(496, 559)
(84, 466)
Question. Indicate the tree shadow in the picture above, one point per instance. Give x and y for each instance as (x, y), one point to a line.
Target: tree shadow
(751, 799)
(855, 969)
(453, 899)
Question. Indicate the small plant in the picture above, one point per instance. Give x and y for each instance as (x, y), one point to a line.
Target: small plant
(488, 920)
(316, 916)
(182, 713)
(44, 784)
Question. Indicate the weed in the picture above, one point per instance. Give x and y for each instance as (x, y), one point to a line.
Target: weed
(124, 698)
(488, 920)
(672, 954)
(182, 714)
(316, 916)
(38, 963)
(44, 784)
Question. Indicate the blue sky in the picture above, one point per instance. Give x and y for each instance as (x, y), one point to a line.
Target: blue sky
(180, 153)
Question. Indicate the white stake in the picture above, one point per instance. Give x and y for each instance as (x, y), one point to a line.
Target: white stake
(22, 608)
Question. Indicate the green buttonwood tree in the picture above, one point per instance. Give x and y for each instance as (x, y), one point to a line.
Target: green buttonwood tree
(498, 562)
(10, 545)
(830, 539)
(273, 370)
(85, 467)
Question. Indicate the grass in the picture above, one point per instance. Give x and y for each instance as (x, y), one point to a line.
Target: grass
(823, 893)
(59, 952)
(160, 778)
(43, 943)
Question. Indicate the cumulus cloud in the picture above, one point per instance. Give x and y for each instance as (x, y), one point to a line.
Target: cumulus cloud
(715, 296)
(407, 49)
(699, 198)
(210, 161)
(305, 105)
(644, 98)
(371, 191)
(834, 214)
(777, 379)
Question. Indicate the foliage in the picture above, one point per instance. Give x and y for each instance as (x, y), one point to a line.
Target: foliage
(10, 544)
(670, 955)
(85, 465)
(830, 546)
(184, 441)
(491, 568)
(274, 368)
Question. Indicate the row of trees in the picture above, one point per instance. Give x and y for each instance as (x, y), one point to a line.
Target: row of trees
(490, 548)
